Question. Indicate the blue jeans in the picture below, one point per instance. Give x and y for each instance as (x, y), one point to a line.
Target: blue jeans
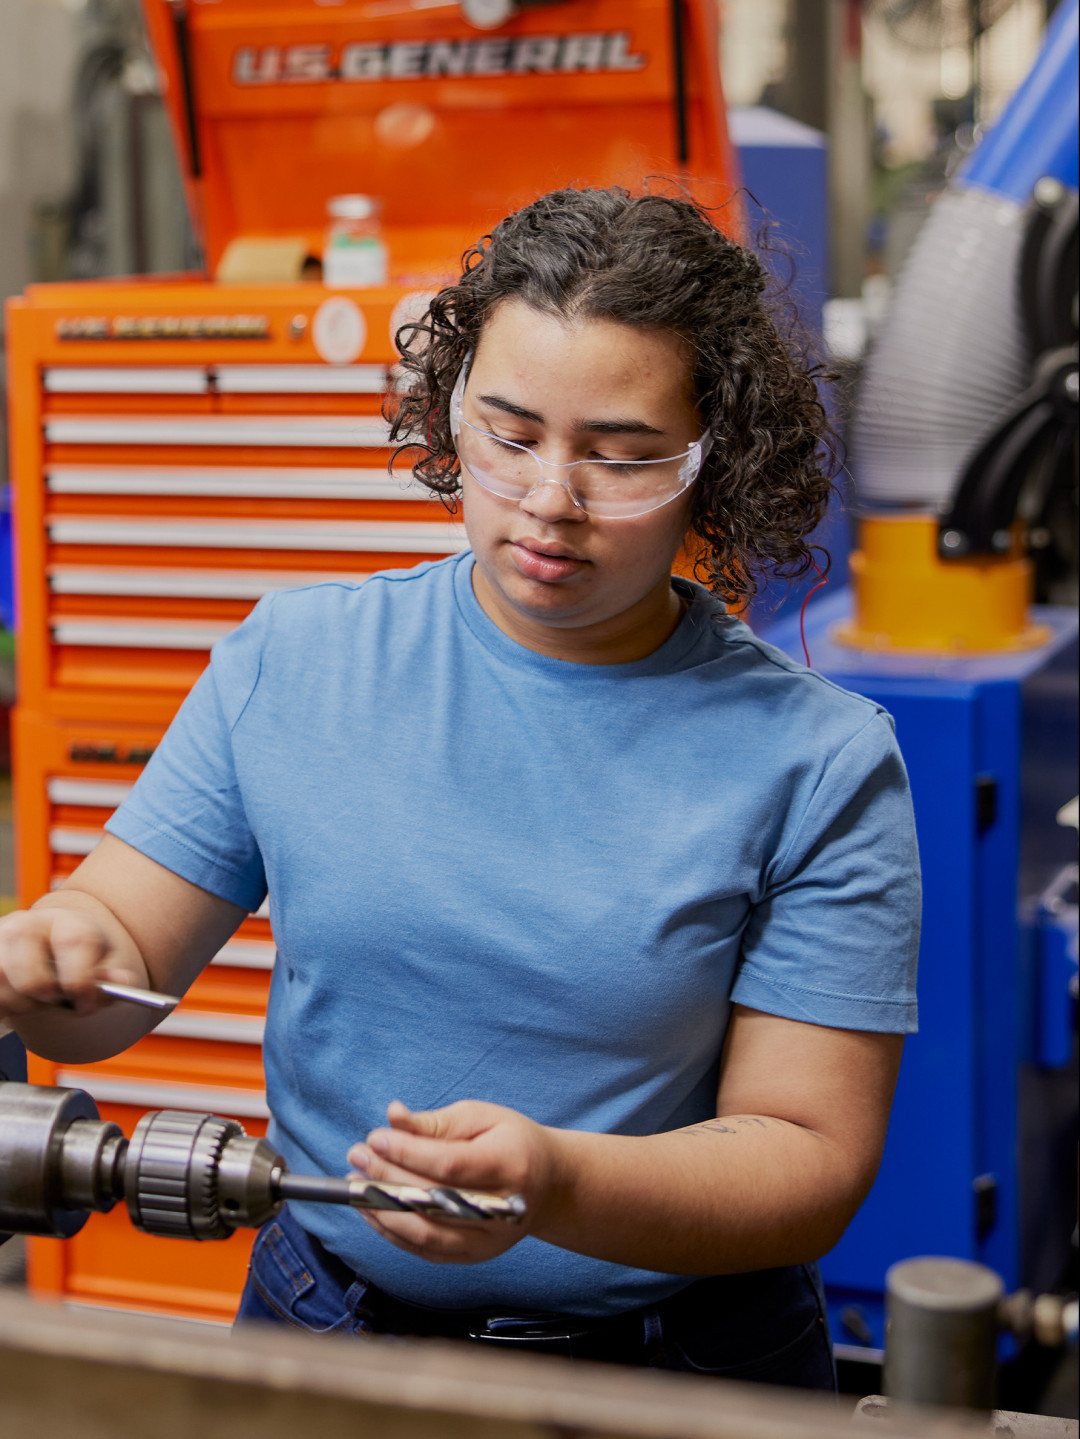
(768, 1327)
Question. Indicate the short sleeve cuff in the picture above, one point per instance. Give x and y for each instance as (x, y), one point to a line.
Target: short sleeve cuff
(178, 855)
(837, 1011)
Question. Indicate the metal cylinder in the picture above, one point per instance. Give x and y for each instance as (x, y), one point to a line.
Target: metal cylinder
(248, 1174)
(92, 1165)
(171, 1171)
(34, 1121)
(941, 1332)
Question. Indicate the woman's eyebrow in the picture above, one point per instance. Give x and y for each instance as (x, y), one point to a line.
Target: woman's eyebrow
(591, 427)
(617, 427)
(509, 408)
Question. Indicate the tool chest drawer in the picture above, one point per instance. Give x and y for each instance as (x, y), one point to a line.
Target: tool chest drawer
(135, 602)
(70, 776)
(168, 472)
(206, 1056)
(156, 503)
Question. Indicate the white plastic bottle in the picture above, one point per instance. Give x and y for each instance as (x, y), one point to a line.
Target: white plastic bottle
(354, 253)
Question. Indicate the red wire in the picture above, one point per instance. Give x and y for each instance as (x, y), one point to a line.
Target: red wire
(802, 613)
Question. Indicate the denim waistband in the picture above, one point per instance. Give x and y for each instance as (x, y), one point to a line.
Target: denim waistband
(768, 1325)
(505, 1324)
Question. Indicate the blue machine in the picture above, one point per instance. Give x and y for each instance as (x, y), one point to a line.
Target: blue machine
(981, 1154)
(784, 166)
(980, 1157)
(1036, 134)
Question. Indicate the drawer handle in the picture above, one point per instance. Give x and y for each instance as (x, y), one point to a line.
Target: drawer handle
(115, 634)
(243, 1103)
(323, 432)
(102, 794)
(246, 954)
(190, 584)
(265, 482)
(94, 380)
(424, 537)
(226, 1028)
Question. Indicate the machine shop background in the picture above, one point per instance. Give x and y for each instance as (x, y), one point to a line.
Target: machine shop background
(875, 140)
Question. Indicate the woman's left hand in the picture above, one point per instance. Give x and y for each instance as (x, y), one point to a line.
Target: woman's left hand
(470, 1145)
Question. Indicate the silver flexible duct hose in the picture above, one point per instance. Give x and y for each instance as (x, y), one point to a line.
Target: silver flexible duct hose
(949, 358)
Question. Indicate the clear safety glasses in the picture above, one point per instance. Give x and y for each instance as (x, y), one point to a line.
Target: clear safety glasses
(615, 489)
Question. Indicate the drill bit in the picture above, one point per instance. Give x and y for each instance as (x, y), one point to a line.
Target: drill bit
(145, 998)
(441, 1202)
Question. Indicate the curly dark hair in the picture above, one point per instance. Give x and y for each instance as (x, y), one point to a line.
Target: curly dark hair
(660, 263)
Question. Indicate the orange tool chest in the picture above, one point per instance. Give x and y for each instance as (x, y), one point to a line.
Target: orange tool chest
(182, 446)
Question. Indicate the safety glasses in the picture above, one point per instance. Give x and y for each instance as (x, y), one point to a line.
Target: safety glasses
(613, 489)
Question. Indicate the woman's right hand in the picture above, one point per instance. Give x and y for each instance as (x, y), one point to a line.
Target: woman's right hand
(56, 956)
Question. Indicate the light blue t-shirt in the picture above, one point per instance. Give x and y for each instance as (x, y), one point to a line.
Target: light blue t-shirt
(499, 876)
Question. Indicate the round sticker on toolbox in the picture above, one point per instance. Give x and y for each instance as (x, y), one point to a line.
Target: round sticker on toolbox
(339, 330)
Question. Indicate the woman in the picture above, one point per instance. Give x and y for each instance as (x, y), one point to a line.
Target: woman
(620, 902)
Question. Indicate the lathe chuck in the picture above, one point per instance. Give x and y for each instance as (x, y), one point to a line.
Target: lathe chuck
(170, 1174)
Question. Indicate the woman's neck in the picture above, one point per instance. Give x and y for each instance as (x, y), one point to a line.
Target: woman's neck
(623, 638)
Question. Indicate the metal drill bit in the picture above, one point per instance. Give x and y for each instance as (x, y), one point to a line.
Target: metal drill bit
(440, 1202)
(147, 998)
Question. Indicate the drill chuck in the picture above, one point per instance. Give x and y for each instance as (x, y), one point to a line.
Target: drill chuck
(170, 1174)
(183, 1175)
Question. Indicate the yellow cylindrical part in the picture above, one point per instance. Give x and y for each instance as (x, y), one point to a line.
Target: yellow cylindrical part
(909, 600)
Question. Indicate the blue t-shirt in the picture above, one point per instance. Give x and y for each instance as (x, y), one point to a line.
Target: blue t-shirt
(495, 875)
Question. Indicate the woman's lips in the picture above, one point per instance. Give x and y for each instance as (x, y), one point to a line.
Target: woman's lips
(537, 566)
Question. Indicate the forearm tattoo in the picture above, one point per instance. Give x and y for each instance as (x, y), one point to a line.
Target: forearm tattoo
(728, 1126)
